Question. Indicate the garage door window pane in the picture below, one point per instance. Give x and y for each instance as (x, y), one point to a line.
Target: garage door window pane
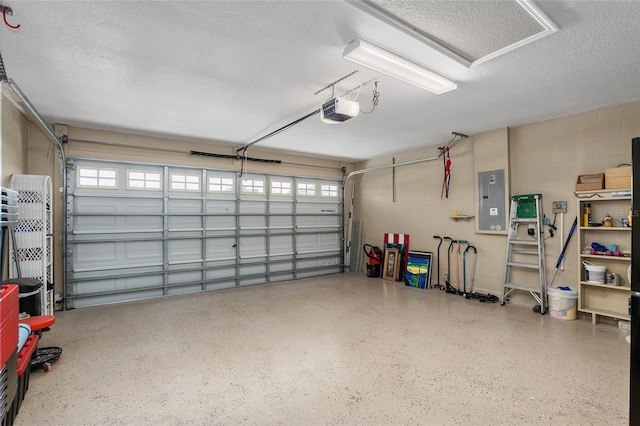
(307, 189)
(93, 177)
(220, 184)
(329, 191)
(180, 182)
(252, 186)
(144, 180)
(280, 188)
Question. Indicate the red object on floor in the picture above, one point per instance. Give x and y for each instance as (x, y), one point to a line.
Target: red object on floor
(38, 322)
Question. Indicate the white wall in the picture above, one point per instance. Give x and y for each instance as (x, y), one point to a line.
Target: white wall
(15, 130)
(13, 155)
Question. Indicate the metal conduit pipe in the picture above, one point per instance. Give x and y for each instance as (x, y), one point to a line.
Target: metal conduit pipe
(37, 118)
(48, 131)
(453, 142)
(389, 166)
(457, 137)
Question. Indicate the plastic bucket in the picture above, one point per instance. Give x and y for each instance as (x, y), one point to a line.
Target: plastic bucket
(29, 294)
(562, 303)
(594, 273)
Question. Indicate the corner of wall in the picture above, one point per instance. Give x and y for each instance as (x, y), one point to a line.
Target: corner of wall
(14, 128)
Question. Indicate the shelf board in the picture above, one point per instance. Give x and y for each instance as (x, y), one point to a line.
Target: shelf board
(605, 312)
(602, 194)
(462, 216)
(599, 256)
(607, 286)
(604, 228)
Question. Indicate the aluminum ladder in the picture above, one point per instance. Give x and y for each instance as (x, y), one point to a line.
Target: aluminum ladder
(527, 253)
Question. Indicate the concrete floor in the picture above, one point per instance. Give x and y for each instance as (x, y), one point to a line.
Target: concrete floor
(339, 349)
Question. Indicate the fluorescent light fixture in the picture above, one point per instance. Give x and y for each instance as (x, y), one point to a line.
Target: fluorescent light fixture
(376, 58)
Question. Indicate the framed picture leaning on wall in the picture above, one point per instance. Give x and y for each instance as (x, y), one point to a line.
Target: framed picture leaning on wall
(418, 272)
(391, 264)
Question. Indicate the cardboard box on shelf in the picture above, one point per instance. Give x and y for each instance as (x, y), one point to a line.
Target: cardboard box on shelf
(590, 182)
(618, 178)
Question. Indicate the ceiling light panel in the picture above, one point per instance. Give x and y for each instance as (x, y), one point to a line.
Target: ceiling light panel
(393, 65)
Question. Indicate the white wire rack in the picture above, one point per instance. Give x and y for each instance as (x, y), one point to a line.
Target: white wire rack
(34, 234)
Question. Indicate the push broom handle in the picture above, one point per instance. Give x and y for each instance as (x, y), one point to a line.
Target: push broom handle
(573, 228)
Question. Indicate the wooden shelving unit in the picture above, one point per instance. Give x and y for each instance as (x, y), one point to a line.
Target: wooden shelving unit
(604, 300)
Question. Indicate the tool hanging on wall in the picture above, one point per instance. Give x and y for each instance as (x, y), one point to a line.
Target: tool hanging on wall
(393, 181)
(446, 180)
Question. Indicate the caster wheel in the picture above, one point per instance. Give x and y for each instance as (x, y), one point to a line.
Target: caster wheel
(502, 304)
(47, 367)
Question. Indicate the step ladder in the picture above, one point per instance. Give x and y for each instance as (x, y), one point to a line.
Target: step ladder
(525, 251)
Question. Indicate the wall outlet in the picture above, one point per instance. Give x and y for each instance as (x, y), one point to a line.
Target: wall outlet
(546, 221)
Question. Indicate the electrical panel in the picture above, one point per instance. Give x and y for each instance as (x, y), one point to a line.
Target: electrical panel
(491, 203)
(559, 207)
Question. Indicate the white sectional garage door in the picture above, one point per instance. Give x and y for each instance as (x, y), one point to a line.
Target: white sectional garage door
(138, 231)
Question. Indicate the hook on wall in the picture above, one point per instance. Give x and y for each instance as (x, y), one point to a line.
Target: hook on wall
(6, 10)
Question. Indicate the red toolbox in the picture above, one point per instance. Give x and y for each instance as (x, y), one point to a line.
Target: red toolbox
(8, 321)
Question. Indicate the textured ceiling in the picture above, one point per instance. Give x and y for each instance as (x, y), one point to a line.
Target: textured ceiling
(233, 71)
(472, 29)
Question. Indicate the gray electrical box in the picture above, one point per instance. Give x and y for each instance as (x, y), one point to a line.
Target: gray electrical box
(559, 207)
(491, 194)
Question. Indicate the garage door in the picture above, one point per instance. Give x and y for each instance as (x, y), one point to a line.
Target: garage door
(139, 231)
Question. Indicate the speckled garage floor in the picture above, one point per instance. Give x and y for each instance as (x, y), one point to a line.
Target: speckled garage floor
(338, 349)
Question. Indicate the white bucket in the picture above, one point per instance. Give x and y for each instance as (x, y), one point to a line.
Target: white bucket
(594, 273)
(562, 303)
